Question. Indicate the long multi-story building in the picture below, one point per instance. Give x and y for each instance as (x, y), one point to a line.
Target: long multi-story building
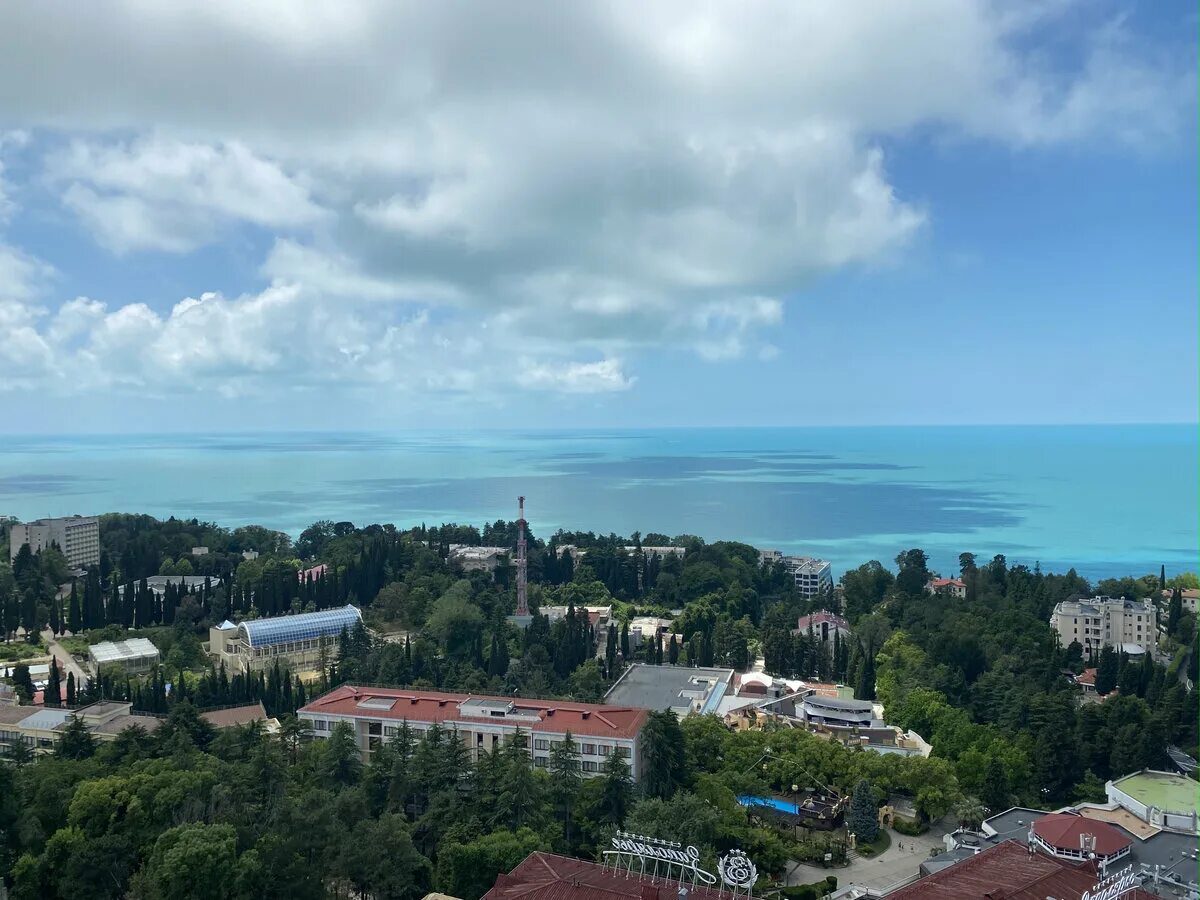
(483, 723)
(1106, 621)
(78, 537)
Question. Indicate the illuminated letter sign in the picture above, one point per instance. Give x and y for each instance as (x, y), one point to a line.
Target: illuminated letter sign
(629, 847)
(1114, 887)
(737, 871)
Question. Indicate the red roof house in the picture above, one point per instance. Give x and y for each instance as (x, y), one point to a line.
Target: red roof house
(1009, 871)
(1069, 836)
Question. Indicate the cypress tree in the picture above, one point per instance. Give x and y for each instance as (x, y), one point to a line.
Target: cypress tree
(74, 619)
(71, 698)
(52, 696)
(1174, 611)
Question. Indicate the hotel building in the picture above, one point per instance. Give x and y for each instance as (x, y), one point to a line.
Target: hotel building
(483, 723)
(1106, 621)
(78, 537)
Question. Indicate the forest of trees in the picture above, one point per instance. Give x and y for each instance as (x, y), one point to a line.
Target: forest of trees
(982, 678)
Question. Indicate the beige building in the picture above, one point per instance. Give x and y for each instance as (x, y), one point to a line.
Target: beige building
(41, 727)
(300, 642)
(78, 537)
(1106, 621)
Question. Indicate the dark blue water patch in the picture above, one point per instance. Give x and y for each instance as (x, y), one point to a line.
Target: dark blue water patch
(694, 467)
(21, 485)
(714, 509)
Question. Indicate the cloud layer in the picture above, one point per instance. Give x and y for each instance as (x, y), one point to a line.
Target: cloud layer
(447, 188)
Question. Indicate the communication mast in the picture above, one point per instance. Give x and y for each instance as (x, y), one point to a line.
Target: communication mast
(522, 561)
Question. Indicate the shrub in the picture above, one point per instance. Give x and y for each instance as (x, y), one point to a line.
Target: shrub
(912, 829)
(813, 891)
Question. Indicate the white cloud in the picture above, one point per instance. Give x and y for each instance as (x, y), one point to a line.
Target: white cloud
(583, 180)
(163, 194)
(21, 276)
(578, 377)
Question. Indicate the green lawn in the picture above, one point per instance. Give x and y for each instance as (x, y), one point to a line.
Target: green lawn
(19, 650)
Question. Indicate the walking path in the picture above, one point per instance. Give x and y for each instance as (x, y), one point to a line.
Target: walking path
(897, 864)
(66, 662)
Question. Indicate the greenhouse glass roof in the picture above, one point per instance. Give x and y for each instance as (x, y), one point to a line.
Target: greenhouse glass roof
(116, 651)
(300, 627)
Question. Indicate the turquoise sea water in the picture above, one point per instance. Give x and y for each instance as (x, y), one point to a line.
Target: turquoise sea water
(1105, 499)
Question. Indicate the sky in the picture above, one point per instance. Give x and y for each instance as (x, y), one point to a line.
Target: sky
(232, 216)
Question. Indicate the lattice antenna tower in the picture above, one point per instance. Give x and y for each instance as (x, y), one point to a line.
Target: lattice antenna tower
(522, 561)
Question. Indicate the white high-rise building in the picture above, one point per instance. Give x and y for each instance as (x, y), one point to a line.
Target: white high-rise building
(812, 576)
(78, 537)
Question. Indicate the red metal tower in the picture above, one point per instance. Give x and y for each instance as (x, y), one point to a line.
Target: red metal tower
(522, 599)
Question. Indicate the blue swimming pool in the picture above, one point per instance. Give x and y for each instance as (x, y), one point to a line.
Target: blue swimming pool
(781, 805)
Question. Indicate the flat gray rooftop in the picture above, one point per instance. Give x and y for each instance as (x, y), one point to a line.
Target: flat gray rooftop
(663, 687)
(1013, 824)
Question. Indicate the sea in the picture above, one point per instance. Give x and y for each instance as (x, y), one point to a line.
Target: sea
(1107, 500)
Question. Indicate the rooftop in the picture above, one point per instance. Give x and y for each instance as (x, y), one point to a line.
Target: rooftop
(235, 715)
(1065, 831)
(300, 627)
(547, 876)
(1010, 871)
(1165, 790)
(116, 651)
(670, 687)
(820, 618)
(1013, 823)
(555, 716)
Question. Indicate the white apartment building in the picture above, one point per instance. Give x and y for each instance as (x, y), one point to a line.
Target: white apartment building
(78, 537)
(1106, 621)
(812, 576)
(484, 724)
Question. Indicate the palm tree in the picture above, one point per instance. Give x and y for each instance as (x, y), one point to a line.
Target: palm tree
(969, 812)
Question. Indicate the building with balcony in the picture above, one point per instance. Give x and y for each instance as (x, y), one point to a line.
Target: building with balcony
(483, 723)
(1105, 621)
(78, 537)
(812, 576)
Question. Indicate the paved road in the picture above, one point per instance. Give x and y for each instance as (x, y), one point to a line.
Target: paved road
(66, 662)
(889, 869)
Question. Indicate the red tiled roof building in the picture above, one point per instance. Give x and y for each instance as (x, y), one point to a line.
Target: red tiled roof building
(483, 722)
(547, 876)
(1009, 871)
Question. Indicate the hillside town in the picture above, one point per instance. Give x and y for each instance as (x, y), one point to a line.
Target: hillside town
(596, 689)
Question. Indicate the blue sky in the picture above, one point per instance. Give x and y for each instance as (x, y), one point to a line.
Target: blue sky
(371, 216)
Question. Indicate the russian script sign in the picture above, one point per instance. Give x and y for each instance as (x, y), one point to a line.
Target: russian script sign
(1112, 888)
(638, 852)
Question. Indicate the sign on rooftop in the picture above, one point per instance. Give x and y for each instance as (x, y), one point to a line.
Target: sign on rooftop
(637, 853)
(1115, 886)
